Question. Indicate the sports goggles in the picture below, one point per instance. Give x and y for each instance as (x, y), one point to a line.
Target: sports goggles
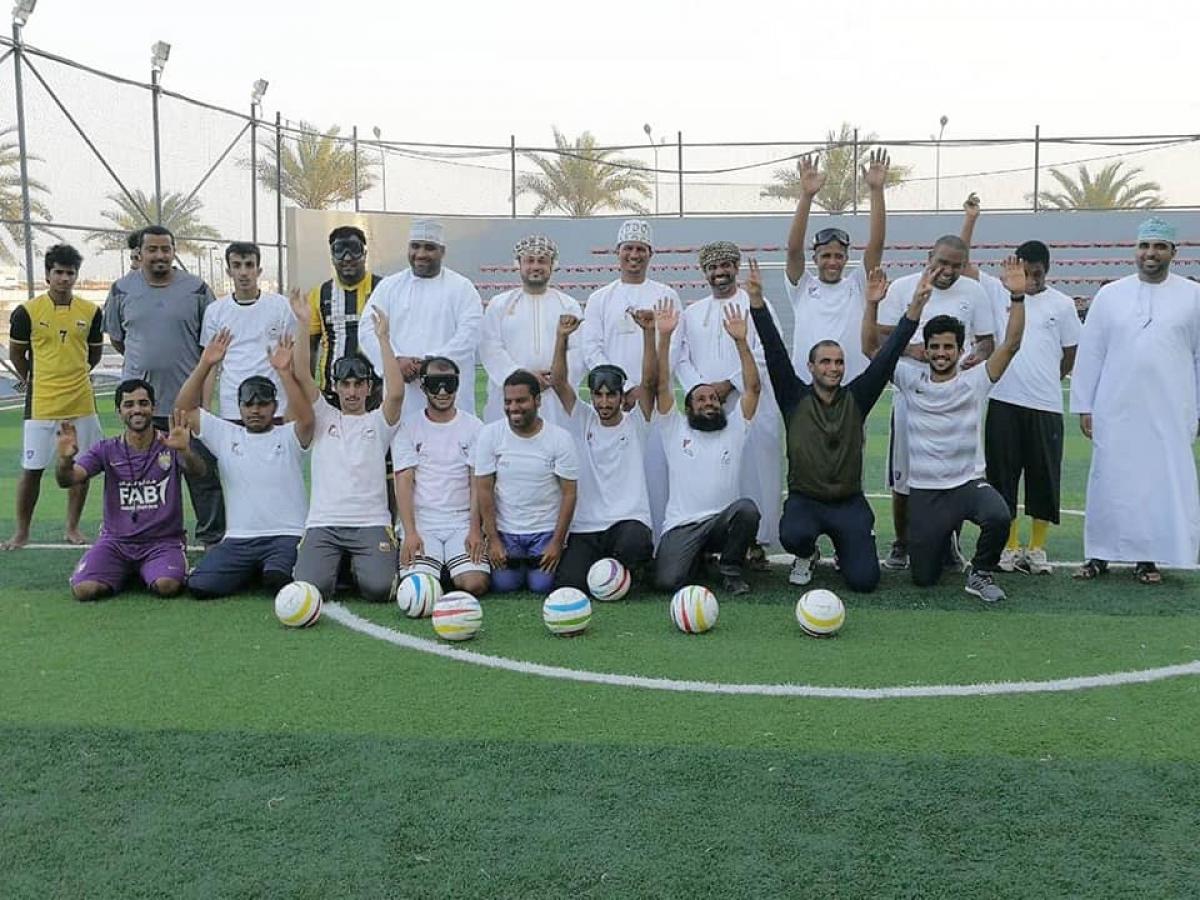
(439, 384)
(610, 378)
(347, 248)
(256, 391)
(352, 367)
(825, 235)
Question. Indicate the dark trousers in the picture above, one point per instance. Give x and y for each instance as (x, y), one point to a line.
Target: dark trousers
(730, 533)
(629, 542)
(1019, 440)
(850, 524)
(934, 514)
(205, 492)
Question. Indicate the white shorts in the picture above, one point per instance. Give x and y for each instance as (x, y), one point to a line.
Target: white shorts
(446, 549)
(41, 439)
(897, 455)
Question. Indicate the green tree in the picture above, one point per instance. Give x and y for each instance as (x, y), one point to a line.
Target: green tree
(839, 162)
(317, 167)
(582, 179)
(10, 194)
(179, 213)
(1110, 188)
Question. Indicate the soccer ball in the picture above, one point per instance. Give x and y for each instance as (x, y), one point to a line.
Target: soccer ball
(567, 611)
(608, 580)
(457, 616)
(298, 605)
(417, 594)
(820, 613)
(694, 609)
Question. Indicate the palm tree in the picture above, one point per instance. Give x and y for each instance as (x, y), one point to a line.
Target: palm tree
(318, 168)
(581, 179)
(1109, 189)
(10, 194)
(840, 163)
(179, 213)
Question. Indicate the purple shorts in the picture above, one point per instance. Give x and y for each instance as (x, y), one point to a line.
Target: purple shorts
(112, 563)
(524, 556)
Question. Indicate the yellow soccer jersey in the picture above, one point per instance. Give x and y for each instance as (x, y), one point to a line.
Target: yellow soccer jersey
(59, 337)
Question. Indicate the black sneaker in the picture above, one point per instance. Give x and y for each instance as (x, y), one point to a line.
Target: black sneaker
(736, 585)
(898, 558)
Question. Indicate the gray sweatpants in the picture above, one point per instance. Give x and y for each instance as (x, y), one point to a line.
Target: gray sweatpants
(730, 533)
(372, 552)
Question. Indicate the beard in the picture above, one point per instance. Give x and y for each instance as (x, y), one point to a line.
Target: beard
(708, 423)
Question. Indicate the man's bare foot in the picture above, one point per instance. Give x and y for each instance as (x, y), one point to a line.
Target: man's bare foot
(75, 536)
(16, 542)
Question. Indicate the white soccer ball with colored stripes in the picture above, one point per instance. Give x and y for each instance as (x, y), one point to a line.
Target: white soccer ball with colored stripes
(417, 594)
(567, 611)
(298, 605)
(694, 609)
(608, 580)
(820, 613)
(457, 616)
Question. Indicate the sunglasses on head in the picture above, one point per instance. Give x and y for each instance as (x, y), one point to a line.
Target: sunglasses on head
(439, 384)
(825, 235)
(347, 248)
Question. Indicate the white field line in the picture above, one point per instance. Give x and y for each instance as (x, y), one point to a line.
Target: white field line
(344, 617)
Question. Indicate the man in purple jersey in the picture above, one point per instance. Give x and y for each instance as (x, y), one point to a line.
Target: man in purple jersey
(142, 531)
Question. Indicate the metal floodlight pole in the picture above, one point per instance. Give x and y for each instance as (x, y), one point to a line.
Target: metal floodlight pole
(160, 52)
(854, 170)
(382, 163)
(20, 16)
(279, 198)
(256, 95)
(654, 147)
(937, 166)
(512, 171)
(1037, 163)
(679, 147)
(354, 137)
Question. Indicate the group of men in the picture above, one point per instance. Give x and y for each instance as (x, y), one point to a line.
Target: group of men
(373, 379)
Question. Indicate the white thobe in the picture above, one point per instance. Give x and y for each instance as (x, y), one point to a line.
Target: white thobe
(438, 316)
(706, 354)
(519, 331)
(611, 337)
(1137, 372)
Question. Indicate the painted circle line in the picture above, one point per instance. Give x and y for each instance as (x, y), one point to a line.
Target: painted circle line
(343, 616)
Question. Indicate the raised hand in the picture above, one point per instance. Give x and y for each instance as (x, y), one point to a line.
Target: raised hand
(217, 347)
(971, 206)
(1012, 273)
(736, 322)
(875, 172)
(812, 179)
(180, 436)
(568, 324)
(666, 316)
(280, 356)
(379, 322)
(300, 309)
(644, 318)
(754, 285)
(877, 287)
(66, 440)
(925, 286)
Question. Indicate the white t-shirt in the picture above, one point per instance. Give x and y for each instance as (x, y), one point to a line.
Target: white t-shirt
(943, 421)
(256, 327)
(527, 470)
(262, 477)
(703, 466)
(965, 300)
(443, 454)
(1032, 379)
(349, 473)
(612, 474)
(828, 312)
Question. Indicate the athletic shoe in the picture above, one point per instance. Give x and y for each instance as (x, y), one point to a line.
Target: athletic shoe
(802, 569)
(1036, 562)
(982, 586)
(898, 558)
(756, 558)
(1012, 560)
(736, 585)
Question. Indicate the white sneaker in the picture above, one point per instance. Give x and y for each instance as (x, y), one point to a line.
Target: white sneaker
(1011, 560)
(1036, 562)
(802, 569)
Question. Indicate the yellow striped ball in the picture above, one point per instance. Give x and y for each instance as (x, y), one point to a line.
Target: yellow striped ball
(457, 616)
(820, 613)
(298, 605)
(694, 609)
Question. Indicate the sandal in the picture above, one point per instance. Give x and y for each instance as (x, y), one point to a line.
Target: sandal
(1147, 573)
(1093, 568)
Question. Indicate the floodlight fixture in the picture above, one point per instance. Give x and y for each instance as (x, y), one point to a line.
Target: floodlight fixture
(21, 12)
(260, 88)
(159, 54)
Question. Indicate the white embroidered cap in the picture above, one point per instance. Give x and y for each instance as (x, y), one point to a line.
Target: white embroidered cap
(427, 231)
(635, 231)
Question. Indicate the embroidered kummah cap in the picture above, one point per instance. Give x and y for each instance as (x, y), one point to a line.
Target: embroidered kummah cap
(719, 252)
(1156, 229)
(635, 231)
(427, 231)
(536, 245)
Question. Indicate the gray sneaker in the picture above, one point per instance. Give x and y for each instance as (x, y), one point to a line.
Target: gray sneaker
(898, 558)
(802, 569)
(736, 585)
(982, 586)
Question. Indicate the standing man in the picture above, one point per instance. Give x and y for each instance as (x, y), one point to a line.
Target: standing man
(519, 329)
(348, 514)
(944, 414)
(434, 311)
(953, 296)
(525, 473)
(707, 512)
(610, 336)
(255, 321)
(54, 342)
(438, 505)
(262, 471)
(1135, 389)
(829, 306)
(336, 307)
(707, 354)
(612, 517)
(154, 319)
(142, 531)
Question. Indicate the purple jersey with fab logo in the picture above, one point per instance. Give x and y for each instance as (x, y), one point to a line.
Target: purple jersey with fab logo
(142, 499)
